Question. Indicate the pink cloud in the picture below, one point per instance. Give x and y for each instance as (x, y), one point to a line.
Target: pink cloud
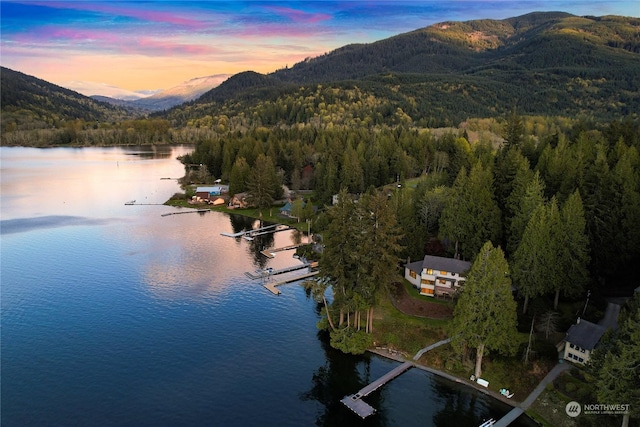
(104, 41)
(162, 47)
(147, 15)
(299, 15)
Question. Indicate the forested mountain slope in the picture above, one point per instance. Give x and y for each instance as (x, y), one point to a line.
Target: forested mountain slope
(542, 63)
(31, 103)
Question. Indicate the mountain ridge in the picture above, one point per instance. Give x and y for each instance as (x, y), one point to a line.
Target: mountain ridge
(543, 63)
(528, 61)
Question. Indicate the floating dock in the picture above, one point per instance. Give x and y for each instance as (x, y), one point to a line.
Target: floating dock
(271, 253)
(363, 409)
(273, 286)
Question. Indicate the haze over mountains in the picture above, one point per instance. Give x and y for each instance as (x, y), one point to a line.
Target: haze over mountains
(542, 63)
(165, 99)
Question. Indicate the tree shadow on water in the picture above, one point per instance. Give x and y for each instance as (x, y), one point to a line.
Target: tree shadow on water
(338, 377)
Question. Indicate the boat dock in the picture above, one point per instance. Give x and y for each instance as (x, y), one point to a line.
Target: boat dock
(254, 230)
(273, 286)
(363, 409)
(271, 253)
(186, 212)
(270, 272)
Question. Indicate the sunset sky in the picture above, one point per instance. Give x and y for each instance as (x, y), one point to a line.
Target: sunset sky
(94, 46)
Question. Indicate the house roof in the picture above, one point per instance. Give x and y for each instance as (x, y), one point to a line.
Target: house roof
(208, 189)
(449, 265)
(445, 264)
(415, 266)
(585, 334)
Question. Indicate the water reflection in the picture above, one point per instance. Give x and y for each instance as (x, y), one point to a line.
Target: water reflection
(85, 182)
(338, 377)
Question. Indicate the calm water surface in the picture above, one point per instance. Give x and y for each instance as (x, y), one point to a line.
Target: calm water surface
(116, 315)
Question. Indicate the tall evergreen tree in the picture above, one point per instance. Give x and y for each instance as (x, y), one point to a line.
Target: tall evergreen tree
(573, 249)
(535, 264)
(360, 255)
(532, 197)
(451, 221)
(471, 215)
(485, 315)
(514, 130)
(263, 183)
(239, 175)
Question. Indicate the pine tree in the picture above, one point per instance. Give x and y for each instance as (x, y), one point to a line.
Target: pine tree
(485, 316)
(262, 184)
(535, 264)
(471, 215)
(529, 200)
(573, 249)
(514, 130)
(238, 177)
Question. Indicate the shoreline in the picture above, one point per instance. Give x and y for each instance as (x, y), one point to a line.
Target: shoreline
(398, 358)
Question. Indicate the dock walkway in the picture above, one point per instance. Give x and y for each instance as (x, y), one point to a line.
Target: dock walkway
(273, 286)
(363, 409)
(267, 273)
(271, 253)
(186, 212)
(254, 230)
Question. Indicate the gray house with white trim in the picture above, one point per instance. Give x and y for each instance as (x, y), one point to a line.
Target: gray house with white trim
(435, 276)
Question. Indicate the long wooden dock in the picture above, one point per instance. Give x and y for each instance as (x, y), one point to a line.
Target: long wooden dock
(273, 286)
(186, 212)
(266, 273)
(363, 409)
(253, 230)
(271, 253)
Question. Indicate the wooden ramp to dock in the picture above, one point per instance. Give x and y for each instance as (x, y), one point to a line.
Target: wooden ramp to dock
(363, 409)
(273, 286)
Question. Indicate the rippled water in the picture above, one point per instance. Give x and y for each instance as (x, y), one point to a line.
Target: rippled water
(116, 315)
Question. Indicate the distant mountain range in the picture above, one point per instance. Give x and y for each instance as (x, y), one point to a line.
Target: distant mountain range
(548, 63)
(163, 100)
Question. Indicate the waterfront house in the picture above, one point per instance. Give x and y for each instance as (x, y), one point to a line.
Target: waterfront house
(210, 193)
(238, 200)
(583, 337)
(437, 276)
(581, 340)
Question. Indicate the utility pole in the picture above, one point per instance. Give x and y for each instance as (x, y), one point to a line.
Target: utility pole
(587, 302)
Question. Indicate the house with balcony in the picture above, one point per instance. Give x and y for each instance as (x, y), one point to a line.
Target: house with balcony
(437, 276)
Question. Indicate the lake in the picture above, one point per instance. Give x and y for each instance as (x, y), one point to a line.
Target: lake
(115, 315)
